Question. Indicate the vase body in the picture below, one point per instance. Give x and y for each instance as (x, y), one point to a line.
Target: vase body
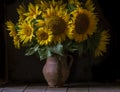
(56, 71)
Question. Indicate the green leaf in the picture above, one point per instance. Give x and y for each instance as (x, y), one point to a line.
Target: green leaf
(42, 53)
(57, 49)
(32, 50)
(92, 42)
(49, 53)
(71, 7)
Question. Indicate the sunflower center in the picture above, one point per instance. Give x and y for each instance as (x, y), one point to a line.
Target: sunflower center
(56, 24)
(28, 31)
(44, 36)
(81, 23)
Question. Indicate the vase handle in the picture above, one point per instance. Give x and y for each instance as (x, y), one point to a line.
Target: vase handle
(71, 61)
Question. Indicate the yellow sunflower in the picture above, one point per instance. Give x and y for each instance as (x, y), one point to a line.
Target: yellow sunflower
(89, 5)
(47, 4)
(21, 10)
(42, 3)
(102, 45)
(44, 36)
(56, 20)
(84, 24)
(11, 27)
(16, 41)
(25, 32)
(33, 11)
(39, 23)
(75, 2)
(55, 4)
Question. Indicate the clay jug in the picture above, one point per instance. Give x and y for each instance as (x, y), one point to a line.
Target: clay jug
(56, 70)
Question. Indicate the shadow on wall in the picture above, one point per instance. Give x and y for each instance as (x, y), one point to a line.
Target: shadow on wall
(108, 70)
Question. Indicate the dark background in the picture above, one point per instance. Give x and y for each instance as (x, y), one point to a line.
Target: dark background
(109, 70)
(2, 43)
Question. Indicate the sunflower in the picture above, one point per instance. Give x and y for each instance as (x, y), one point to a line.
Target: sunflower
(39, 23)
(11, 28)
(42, 3)
(47, 4)
(76, 3)
(33, 11)
(44, 36)
(16, 41)
(25, 32)
(21, 10)
(55, 27)
(56, 20)
(89, 5)
(102, 45)
(55, 4)
(84, 24)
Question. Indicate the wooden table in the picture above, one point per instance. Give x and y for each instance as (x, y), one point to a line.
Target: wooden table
(73, 87)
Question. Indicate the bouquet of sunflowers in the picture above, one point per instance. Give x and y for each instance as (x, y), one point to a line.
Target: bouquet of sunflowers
(52, 27)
